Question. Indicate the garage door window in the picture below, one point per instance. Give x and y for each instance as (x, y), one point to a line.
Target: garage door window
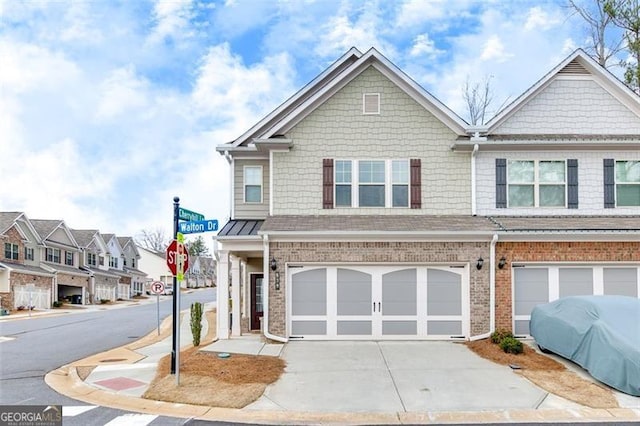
(531, 288)
(621, 281)
(575, 281)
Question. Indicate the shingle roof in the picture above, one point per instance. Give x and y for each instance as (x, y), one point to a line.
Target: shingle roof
(378, 223)
(123, 241)
(27, 268)
(44, 227)
(66, 269)
(240, 228)
(566, 223)
(107, 237)
(7, 219)
(83, 236)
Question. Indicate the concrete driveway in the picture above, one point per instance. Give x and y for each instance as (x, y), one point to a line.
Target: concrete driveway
(394, 377)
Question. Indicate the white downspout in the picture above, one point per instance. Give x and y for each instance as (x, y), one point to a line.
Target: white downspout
(492, 284)
(492, 291)
(473, 179)
(265, 307)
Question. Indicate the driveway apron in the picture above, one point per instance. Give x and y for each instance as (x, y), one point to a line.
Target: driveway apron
(396, 376)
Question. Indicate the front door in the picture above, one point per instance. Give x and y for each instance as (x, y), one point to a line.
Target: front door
(256, 300)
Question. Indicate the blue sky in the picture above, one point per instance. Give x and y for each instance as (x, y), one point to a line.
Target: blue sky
(110, 108)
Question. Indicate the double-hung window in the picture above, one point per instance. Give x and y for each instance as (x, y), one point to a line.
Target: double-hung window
(628, 183)
(400, 183)
(68, 258)
(113, 262)
(253, 184)
(53, 255)
(371, 183)
(91, 259)
(29, 253)
(536, 183)
(11, 251)
(343, 183)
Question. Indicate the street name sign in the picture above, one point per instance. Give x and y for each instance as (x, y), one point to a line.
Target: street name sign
(177, 258)
(184, 214)
(198, 226)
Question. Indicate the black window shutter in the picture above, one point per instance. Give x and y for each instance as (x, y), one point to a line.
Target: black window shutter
(609, 183)
(327, 183)
(416, 183)
(501, 183)
(572, 184)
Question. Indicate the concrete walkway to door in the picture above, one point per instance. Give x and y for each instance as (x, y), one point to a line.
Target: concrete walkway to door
(393, 377)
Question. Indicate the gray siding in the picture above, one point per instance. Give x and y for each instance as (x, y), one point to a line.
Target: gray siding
(403, 130)
(250, 210)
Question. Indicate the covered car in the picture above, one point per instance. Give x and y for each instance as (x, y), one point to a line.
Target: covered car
(599, 333)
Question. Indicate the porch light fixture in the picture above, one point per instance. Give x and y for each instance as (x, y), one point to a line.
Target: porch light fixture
(480, 263)
(273, 264)
(502, 262)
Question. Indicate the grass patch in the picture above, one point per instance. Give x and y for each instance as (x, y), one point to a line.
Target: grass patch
(548, 374)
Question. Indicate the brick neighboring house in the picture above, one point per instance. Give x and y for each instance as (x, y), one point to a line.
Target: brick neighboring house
(60, 254)
(20, 265)
(363, 208)
(103, 285)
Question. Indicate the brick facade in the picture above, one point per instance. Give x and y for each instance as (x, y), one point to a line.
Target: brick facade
(14, 237)
(514, 252)
(382, 252)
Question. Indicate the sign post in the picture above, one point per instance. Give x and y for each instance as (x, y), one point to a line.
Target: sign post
(157, 287)
(176, 290)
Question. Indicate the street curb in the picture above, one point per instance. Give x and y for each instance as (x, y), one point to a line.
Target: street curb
(66, 381)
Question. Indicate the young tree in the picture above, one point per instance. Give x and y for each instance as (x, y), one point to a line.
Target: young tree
(198, 247)
(153, 239)
(603, 43)
(625, 14)
(478, 98)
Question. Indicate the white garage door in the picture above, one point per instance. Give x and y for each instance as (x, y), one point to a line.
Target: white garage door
(536, 284)
(378, 302)
(26, 296)
(105, 292)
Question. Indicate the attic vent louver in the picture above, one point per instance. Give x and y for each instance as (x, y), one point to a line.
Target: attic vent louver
(371, 103)
(574, 67)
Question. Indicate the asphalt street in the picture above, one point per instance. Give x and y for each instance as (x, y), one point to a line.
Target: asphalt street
(44, 343)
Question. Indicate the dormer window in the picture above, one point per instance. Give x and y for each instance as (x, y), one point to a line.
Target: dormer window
(371, 103)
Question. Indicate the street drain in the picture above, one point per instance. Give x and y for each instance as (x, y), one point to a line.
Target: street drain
(113, 360)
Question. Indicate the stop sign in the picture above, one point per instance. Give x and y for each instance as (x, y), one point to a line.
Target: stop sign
(175, 250)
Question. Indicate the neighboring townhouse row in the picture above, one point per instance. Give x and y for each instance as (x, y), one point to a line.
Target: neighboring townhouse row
(45, 261)
(364, 208)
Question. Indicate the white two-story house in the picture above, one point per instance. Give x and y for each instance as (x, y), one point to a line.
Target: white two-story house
(130, 264)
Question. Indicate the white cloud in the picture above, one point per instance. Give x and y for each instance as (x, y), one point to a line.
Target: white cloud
(120, 92)
(228, 90)
(413, 13)
(539, 19)
(172, 19)
(341, 32)
(79, 25)
(423, 45)
(494, 50)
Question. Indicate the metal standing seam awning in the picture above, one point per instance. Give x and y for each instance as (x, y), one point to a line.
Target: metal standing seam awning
(241, 228)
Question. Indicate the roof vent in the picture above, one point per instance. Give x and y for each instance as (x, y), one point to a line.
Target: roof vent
(574, 67)
(371, 103)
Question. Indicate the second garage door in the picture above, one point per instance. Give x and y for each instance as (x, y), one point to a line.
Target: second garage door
(536, 284)
(378, 302)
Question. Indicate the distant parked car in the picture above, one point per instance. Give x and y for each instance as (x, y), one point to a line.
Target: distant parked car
(599, 333)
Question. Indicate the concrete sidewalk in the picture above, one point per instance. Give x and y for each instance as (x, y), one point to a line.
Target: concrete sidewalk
(339, 383)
